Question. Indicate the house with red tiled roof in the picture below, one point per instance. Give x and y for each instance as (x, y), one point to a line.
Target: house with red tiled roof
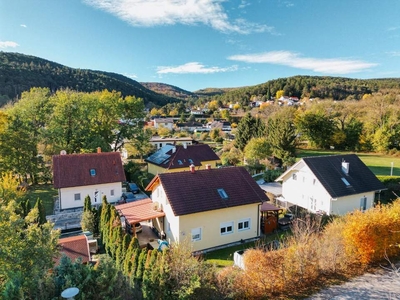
(177, 158)
(209, 208)
(74, 247)
(94, 174)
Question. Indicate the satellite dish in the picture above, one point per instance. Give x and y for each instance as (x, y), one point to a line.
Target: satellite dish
(70, 293)
(63, 152)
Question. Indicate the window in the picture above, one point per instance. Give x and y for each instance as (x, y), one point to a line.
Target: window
(363, 203)
(190, 160)
(226, 228)
(222, 193)
(314, 181)
(112, 192)
(160, 145)
(77, 197)
(180, 162)
(345, 181)
(313, 204)
(294, 176)
(196, 234)
(92, 172)
(244, 224)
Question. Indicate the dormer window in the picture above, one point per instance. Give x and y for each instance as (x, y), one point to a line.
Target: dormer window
(190, 160)
(92, 172)
(222, 193)
(180, 162)
(345, 181)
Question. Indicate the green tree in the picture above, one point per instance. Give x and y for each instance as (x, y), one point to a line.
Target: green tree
(257, 149)
(248, 128)
(87, 205)
(27, 250)
(281, 134)
(317, 127)
(42, 212)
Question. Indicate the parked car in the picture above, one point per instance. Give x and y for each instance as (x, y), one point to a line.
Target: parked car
(127, 197)
(132, 187)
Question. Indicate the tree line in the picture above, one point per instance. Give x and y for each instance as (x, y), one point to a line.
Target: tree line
(42, 124)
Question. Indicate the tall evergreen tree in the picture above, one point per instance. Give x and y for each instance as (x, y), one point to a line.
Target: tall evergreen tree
(42, 212)
(249, 127)
(87, 206)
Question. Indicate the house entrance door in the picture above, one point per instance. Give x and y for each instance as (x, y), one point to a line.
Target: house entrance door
(96, 196)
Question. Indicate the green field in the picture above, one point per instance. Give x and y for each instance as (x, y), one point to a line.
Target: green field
(379, 164)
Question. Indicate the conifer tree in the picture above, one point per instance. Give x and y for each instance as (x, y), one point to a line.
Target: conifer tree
(87, 206)
(42, 212)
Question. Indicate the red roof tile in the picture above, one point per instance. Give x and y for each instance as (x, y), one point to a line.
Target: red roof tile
(196, 192)
(138, 211)
(184, 157)
(74, 247)
(74, 169)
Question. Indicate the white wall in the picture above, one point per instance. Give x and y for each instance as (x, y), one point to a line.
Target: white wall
(347, 204)
(306, 191)
(67, 195)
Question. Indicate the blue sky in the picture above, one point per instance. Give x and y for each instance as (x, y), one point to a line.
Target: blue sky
(195, 44)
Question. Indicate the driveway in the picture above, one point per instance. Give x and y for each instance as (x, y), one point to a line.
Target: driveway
(382, 284)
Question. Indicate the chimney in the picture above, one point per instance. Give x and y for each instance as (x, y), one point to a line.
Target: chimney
(345, 167)
(208, 167)
(184, 145)
(98, 150)
(192, 168)
(173, 149)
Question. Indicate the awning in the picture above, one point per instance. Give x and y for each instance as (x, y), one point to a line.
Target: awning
(269, 207)
(139, 211)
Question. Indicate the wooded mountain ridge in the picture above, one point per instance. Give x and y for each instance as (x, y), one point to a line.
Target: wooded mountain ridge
(20, 72)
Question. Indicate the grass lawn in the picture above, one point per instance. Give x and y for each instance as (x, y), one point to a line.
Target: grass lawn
(46, 192)
(379, 164)
(224, 257)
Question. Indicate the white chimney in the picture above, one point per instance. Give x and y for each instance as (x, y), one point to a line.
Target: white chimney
(173, 149)
(192, 168)
(184, 145)
(345, 167)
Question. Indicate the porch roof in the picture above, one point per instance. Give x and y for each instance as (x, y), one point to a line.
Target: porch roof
(269, 207)
(139, 211)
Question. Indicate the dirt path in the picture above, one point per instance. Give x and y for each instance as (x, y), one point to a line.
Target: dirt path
(379, 285)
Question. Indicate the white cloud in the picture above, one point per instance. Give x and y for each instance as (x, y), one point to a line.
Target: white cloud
(243, 4)
(290, 59)
(393, 28)
(149, 13)
(8, 44)
(23, 25)
(393, 53)
(193, 68)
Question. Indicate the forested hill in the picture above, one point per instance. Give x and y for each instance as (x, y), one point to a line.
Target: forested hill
(324, 87)
(168, 90)
(20, 72)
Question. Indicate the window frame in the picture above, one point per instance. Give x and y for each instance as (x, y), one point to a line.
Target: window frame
(363, 204)
(225, 225)
(196, 232)
(242, 222)
(75, 197)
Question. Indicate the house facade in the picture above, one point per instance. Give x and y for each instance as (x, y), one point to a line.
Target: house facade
(208, 208)
(160, 142)
(95, 174)
(334, 184)
(177, 158)
(166, 123)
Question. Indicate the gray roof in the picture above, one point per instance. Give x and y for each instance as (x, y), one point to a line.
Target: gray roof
(328, 170)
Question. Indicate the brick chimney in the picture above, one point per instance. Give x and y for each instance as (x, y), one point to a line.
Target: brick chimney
(98, 150)
(192, 168)
(208, 167)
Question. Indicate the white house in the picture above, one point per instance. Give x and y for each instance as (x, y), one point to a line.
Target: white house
(95, 174)
(334, 184)
(208, 208)
(160, 142)
(166, 123)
